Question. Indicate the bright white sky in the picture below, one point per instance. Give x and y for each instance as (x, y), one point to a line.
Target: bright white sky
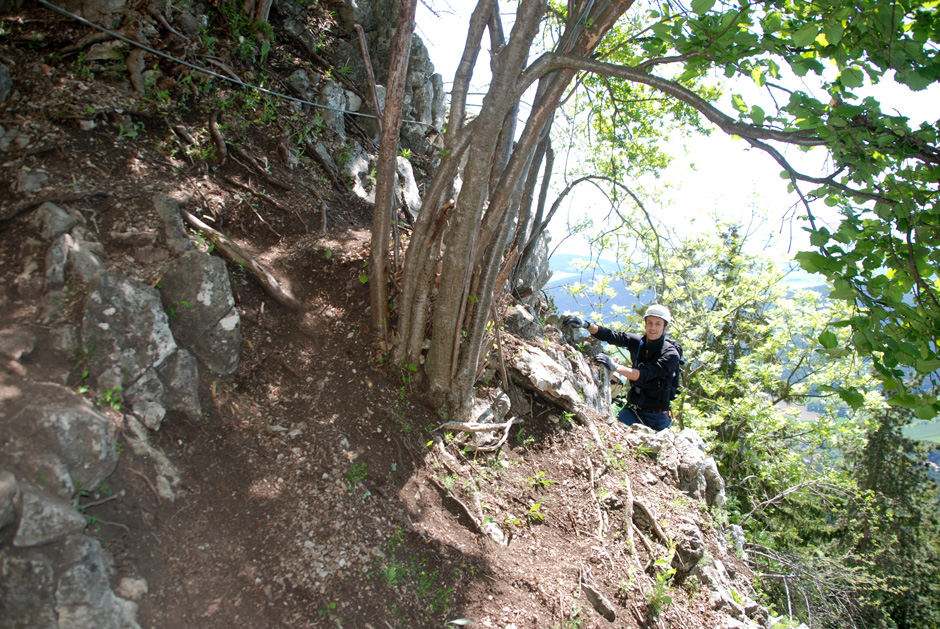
(708, 173)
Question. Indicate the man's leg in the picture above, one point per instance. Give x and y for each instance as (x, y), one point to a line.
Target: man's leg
(656, 421)
(628, 416)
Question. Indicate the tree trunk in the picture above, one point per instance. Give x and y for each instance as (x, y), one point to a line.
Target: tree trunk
(385, 171)
(480, 227)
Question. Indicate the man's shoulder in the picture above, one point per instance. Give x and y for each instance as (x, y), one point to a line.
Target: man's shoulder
(672, 346)
(672, 343)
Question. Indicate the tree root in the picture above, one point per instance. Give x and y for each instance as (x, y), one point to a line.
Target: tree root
(473, 427)
(489, 529)
(258, 193)
(660, 534)
(281, 294)
(217, 138)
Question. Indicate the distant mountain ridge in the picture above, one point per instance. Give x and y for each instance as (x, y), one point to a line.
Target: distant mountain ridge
(564, 273)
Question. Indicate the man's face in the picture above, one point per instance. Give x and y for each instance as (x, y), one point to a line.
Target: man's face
(655, 328)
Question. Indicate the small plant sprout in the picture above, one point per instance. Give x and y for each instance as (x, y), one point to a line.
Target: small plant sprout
(111, 398)
(535, 514)
(539, 480)
(356, 474)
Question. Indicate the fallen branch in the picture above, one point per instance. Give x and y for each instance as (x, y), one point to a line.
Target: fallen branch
(264, 196)
(646, 543)
(472, 427)
(600, 603)
(269, 283)
(149, 484)
(628, 512)
(103, 500)
(325, 165)
(496, 446)
(585, 419)
(259, 168)
(601, 521)
(779, 496)
(227, 70)
(491, 530)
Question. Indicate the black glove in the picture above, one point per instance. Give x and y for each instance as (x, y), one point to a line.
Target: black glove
(577, 322)
(604, 359)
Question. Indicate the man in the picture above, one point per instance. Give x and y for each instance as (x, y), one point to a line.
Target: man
(654, 362)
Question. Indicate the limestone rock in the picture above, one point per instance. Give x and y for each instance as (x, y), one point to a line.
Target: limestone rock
(9, 498)
(27, 590)
(53, 221)
(197, 291)
(125, 330)
(521, 321)
(46, 519)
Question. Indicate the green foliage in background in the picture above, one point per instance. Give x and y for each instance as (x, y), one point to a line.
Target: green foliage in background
(835, 498)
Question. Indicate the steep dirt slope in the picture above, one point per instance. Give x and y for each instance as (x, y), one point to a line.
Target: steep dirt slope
(312, 493)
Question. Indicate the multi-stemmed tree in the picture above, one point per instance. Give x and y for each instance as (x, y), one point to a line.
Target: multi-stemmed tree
(882, 259)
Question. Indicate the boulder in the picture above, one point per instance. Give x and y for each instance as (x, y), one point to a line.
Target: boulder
(9, 498)
(45, 518)
(690, 547)
(174, 234)
(84, 598)
(539, 372)
(521, 321)
(535, 273)
(53, 221)
(27, 589)
(124, 331)
(407, 188)
(197, 293)
(53, 436)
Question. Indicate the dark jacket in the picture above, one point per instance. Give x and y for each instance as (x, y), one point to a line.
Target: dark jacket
(655, 360)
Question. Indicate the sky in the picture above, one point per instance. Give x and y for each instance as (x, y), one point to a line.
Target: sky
(714, 173)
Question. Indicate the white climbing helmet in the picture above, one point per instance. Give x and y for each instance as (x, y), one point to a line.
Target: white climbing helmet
(658, 311)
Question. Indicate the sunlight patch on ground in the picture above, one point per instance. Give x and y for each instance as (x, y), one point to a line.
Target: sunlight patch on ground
(266, 488)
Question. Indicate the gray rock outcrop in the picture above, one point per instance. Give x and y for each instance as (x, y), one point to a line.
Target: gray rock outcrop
(197, 293)
(57, 445)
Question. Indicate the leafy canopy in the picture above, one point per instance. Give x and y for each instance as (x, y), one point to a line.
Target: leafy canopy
(813, 63)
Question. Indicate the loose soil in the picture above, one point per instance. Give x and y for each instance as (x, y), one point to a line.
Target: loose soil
(312, 492)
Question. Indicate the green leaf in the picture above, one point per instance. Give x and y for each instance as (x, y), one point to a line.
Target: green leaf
(363, 278)
(914, 79)
(812, 262)
(828, 340)
(819, 238)
(833, 32)
(773, 69)
(772, 22)
(798, 66)
(852, 77)
(702, 6)
(758, 76)
(757, 115)
(738, 102)
(851, 397)
(926, 366)
(805, 36)
(663, 32)
(925, 411)
(846, 294)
